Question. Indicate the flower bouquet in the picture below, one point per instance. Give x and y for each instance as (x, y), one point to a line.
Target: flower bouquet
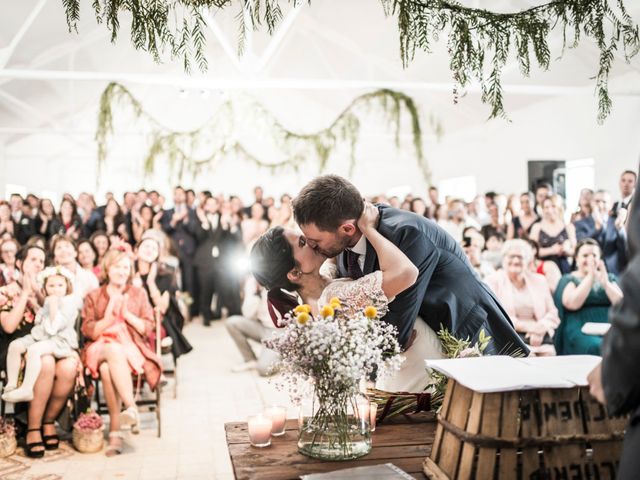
(398, 403)
(88, 436)
(333, 352)
(8, 441)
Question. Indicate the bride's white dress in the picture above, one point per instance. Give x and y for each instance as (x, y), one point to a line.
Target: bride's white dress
(354, 296)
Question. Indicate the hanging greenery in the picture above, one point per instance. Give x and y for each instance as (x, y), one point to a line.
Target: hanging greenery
(215, 140)
(478, 40)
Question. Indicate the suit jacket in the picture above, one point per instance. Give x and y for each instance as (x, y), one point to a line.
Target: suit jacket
(447, 292)
(613, 243)
(585, 228)
(24, 229)
(208, 239)
(183, 234)
(621, 352)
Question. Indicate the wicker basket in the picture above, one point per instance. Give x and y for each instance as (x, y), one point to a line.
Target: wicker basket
(88, 441)
(8, 445)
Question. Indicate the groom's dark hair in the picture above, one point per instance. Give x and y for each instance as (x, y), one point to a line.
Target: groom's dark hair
(327, 201)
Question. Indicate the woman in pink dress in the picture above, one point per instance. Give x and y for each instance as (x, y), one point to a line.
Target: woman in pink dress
(117, 319)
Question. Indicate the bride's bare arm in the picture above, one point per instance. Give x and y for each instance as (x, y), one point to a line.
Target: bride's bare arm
(398, 272)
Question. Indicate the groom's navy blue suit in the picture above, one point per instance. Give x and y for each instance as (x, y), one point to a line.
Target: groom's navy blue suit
(447, 292)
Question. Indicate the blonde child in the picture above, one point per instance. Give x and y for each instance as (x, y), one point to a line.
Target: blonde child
(53, 334)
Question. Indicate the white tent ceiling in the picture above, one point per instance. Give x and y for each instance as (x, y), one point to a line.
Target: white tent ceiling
(321, 57)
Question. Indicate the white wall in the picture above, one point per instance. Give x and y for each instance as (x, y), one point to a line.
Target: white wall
(496, 152)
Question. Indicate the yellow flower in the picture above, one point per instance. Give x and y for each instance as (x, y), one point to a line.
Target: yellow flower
(327, 311)
(333, 300)
(370, 312)
(302, 308)
(335, 305)
(303, 317)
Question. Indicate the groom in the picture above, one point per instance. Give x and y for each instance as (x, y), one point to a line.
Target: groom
(447, 292)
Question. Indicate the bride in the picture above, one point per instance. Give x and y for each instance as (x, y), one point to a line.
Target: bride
(281, 260)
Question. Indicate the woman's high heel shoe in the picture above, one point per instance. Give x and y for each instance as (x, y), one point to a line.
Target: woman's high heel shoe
(51, 442)
(29, 448)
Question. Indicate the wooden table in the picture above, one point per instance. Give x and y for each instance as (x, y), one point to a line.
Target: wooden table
(406, 443)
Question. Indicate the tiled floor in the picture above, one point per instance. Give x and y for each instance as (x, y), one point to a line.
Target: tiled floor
(192, 444)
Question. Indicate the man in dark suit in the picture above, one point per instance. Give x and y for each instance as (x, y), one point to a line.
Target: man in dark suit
(180, 223)
(447, 292)
(627, 185)
(615, 382)
(207, 256)
(607, 230)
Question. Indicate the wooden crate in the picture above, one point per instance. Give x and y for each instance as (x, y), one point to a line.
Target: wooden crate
(529, 434)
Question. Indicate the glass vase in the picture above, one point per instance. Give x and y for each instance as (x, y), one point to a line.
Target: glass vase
(331, 427)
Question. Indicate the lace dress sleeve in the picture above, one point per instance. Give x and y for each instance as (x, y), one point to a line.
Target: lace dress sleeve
(356, 295)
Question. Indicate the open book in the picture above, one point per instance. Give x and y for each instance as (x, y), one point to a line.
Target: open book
(386, 471)
(502, 373)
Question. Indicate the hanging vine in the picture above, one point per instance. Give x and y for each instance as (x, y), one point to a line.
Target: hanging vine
(478, 40)
(215, 140)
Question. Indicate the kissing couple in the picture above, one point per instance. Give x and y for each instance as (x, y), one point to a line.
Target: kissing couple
(405, 265)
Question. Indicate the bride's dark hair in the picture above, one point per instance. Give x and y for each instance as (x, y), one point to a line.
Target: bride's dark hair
(271, 261)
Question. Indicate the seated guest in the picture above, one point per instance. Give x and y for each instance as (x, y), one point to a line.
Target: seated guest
(555, 238)
(607, 230)
(456, 219)
(65, 255)
(88, 257)
(159, 280)
(19, 303)
(54, 333)
(493, 252)
(585, 295)
(526, 298)
(117, 320)
(496, 223)
(472, 244)
(547, 268)
(254, 324)
(8, 271)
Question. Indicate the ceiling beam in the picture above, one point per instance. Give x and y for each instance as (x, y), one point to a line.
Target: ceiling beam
(203, 82)
(7, 52)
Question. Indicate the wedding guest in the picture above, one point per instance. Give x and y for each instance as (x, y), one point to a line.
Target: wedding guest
(255, 225)
(24, 224)
(117, 320)
(44, 218)
(496, 223)
(67, 222)
(88, 257)
(520, 226)
(38, 241)
(585, 295)
(207, 255)
(143, 220)
(420, 207)
(607, 230)
(8, 270)
(113, 222)
(159, 281)
(627, 186)
(543, 190)
(472, 245)
(180, 223)
(526, 298)
(100, 240)
(227, 274)
(547, 268)
(493, 251)
(19, 302)
(7, 225)
(65, 255)
(457, 220)
(584, 207)
(254, 324)
(555, 238)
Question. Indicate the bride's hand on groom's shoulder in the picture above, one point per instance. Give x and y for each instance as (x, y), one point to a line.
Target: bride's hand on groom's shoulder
(369, 217)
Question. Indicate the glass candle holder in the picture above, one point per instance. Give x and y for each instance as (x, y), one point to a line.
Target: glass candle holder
(259, 427)
(278, 416)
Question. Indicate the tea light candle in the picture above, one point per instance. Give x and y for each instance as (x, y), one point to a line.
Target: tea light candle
(362, 413)
(373, 411)
(260, 430)
(278, 416)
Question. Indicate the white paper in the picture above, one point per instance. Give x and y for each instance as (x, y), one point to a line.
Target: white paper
(503, 373)
(595, 328)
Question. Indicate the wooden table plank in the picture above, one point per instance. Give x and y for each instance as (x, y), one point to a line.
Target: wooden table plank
(405, 442)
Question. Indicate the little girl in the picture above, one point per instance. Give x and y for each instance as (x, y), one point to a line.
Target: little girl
(53, 334)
